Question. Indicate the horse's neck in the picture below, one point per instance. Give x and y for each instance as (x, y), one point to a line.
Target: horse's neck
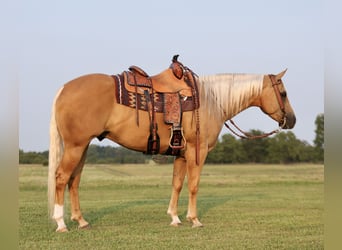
(238, 104)
(226, 95)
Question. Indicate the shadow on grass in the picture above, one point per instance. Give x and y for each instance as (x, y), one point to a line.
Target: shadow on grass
(117, 210)
(150, 208)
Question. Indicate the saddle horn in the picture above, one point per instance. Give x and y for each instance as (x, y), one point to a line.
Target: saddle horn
(175, 58)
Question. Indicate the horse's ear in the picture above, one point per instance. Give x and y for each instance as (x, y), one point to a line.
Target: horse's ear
(281, 74)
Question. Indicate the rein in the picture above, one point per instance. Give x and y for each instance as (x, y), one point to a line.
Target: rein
(245, 135)
(249, 136)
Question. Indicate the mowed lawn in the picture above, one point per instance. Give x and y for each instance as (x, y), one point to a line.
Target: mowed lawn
(241, 207)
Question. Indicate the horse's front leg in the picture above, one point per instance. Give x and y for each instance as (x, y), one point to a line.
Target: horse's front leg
(194, 173)
(179, 171)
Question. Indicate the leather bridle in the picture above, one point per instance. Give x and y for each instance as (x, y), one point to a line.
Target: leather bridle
(275, 84)
(246, 135)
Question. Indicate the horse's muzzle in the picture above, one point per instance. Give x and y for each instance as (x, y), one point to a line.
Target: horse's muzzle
(290, 121)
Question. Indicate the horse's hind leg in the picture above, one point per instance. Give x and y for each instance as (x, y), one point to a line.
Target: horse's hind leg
(70, 160)
(179, 171)
(73, 185)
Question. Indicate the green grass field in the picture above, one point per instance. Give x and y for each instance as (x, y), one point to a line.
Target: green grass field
(241, 207)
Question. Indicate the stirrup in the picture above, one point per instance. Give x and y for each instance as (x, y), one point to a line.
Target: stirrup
(183, 138)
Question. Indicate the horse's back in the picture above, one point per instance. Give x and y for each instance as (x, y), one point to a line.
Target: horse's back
(88, 86)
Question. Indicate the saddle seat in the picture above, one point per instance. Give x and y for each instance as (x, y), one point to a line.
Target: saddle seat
(137, 80)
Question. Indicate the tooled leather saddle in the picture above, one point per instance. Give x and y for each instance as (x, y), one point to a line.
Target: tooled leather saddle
(171, 92)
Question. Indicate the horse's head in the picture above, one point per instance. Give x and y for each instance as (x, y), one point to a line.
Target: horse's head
(275, 103)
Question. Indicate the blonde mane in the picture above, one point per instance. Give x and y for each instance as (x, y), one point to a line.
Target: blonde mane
(225, 95)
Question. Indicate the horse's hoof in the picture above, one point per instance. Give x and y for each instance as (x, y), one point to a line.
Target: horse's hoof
(62, 230)
(195, 225)
(86, 226)
(195, 222)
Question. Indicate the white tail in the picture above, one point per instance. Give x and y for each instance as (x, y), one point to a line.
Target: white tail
(55, 155)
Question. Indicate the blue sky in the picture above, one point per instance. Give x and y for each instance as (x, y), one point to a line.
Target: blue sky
(62, 40)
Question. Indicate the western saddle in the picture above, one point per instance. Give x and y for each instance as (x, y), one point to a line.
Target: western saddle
(171, 92)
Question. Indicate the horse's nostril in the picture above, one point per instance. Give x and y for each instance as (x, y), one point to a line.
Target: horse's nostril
(290, 121)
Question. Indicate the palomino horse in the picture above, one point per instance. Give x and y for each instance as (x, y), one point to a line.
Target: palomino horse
(86, 107)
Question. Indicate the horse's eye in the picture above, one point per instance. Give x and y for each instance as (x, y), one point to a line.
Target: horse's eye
(283, 94)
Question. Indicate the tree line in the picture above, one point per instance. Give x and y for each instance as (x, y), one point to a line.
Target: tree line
(96, 154)
(284, 147)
